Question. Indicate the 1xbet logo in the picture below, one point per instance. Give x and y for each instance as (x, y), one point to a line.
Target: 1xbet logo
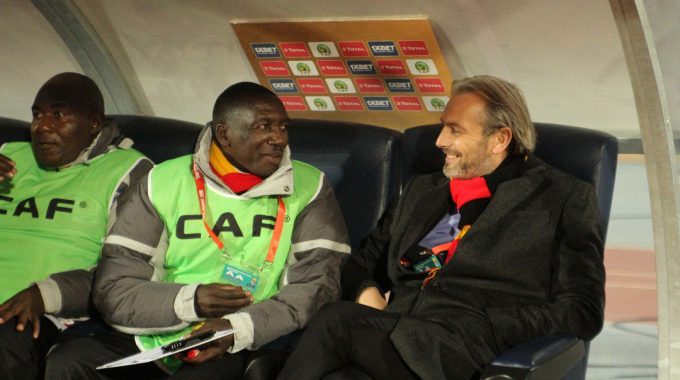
(399, 85)
(361, 67)
(266, 50)
(383, 48)
(283, 85)
(378, 103)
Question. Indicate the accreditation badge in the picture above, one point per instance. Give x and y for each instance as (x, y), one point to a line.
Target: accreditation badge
(432, 262)
(238, 277)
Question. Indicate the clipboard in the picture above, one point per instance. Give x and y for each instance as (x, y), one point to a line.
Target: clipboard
(168, 349)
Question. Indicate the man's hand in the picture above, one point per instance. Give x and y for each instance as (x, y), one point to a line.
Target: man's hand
(372, 297)
(210, 350)
(27, 306)
(7, 168)
(217, 300)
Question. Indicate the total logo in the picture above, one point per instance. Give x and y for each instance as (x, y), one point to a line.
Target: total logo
(430, 85)
(361, 67)
(399, 85)
(323, 49)
(422, 66)
(312, 85)
(283, 86)
(407, 103)
(303, 68)
(383, 48)
(320, 103)
(331, 67)
(413, 48)
(353, 48)
(274, 68)
(348, 103)
(370, 85)
(391, 66)
(266, 50)
(293, 103)
(341, 85)
(294, 49)
(378, 103)
(435, 103)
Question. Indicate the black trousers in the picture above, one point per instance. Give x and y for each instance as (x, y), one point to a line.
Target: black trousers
(343, 340)
(21, 356)
(78, 359)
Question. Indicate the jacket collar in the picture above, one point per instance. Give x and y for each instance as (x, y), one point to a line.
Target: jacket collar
(280, 183)
(510, 194)
(109, 138)
(434, 201)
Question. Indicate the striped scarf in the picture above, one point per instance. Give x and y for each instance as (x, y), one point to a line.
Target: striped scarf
(238, 181)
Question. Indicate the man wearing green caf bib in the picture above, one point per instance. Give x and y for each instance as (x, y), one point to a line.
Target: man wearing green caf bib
(236, 235)
(55, 196)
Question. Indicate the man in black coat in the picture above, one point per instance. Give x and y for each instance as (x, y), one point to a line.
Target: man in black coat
(498, 250)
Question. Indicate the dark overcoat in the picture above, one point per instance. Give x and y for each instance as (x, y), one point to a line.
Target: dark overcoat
(530, 266)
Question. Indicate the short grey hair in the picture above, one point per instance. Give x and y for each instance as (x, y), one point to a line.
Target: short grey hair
(505, 107)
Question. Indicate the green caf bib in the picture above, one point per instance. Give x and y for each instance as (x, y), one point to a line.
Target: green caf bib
(54, 220)
(244, 225)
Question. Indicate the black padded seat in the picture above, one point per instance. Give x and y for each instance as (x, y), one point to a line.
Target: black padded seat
(159, 138)
(360, 161)
(586, 154)
(14, 130)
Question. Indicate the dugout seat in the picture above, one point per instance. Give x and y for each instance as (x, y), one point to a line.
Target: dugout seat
(362, 163)
(14, 130)
(584, 153)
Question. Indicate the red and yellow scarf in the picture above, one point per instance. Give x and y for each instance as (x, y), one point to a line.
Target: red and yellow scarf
(471, 196)
(238, 181)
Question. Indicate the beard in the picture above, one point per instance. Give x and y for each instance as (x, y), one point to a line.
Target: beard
(474, 164)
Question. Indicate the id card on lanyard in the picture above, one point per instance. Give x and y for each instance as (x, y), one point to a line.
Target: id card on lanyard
(233, 274)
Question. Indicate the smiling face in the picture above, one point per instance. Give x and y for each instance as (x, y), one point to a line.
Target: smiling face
(470, 151)
(61, 129)
(256, 139)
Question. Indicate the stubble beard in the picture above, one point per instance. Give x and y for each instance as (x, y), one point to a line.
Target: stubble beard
(478, 165)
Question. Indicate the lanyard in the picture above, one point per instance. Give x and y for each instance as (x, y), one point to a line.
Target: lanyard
(278, 225)
(451, 247)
